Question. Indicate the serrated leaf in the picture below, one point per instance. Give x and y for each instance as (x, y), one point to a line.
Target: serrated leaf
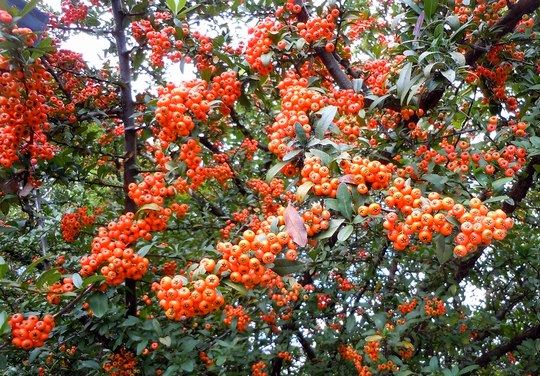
(274, 170)
(345, 233)
(294, 225)
(284, 267)
(303, 190)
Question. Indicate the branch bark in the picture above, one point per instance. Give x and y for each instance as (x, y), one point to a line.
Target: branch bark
(130, 135)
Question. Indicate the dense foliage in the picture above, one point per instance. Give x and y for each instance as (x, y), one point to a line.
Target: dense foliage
(333, 187)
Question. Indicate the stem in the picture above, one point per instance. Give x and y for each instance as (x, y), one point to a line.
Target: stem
(130, 134)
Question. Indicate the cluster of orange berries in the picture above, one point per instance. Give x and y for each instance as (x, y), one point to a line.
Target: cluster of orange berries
(348, 353)
(434, 307)
(180, 302)
(169, 268)
(387, 366)
(72, 223)
(347, 101)
(122, 363)
(246, 259)
(407, 307)
(281, 295)
(250, 145)
(5, 16)
(316, 219)
(242, 319)
(260, 43)
(479, 226)
(376, 72)
(72, 13)
(269, 193)
(286, 356)
(372, 349)
(24, 114)
(318, 28)
(323, 300)
(406, 353)
(258, 368)
(110, 248)
(208, 362)
(30, 332)
(367, 174)
(296, 101)
(227, 87)
(171, 113)
(319, 175)
(54, 291)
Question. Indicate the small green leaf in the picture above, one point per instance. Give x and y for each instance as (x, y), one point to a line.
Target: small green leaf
(403, 79)
(99, 304)
(345, 233)
(344, 201)
(188, 365)
(166, 341)
(77, 280)
(284, 267)
(241, 289)
(300, 134)
(92, 279)
(152, 206)
(498, 185)
(3, 267)
(48, 278)
(332, 228)
(274, 170)
(430, 6)
(328, 114)
(266, 58)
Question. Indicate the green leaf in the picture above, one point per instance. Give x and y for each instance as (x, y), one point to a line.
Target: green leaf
(143, 251)
(403, 79)
(48, 278)
(430, 6)
(437, 181)
(77, 280)
(188, 365)
(328, 114)
(4, 267)
(345, 233)
(152, 206)
(99, 304)
(326, 158)
(284, 267)
(274, 170)
(290, 155)
(468, 369)
(4, 325)
(92, 364)
(141, 346)
(442, 252)
(344, 201)
(449, 74)
(31, 267)
(92, 279)
(332, 228)
(166, 341)
(28, 7)
(267, 58)
(300, 134)
(241, 289)
(498, 185)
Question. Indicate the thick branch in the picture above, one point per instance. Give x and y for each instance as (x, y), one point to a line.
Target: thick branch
(488, 357)
(130, 135)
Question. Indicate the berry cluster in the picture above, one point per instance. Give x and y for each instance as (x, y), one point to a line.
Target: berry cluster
(434, 307)
(372, 349)
(72, 223)
(54, 291)
(260, 43)
(349, 353)
(407, 307)
(31, 332)
(123, 363)
(318, 28)
(180, 302)
(257, 369)
(238, 314)
(72, 13)
(367, 174)
(316, 219)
